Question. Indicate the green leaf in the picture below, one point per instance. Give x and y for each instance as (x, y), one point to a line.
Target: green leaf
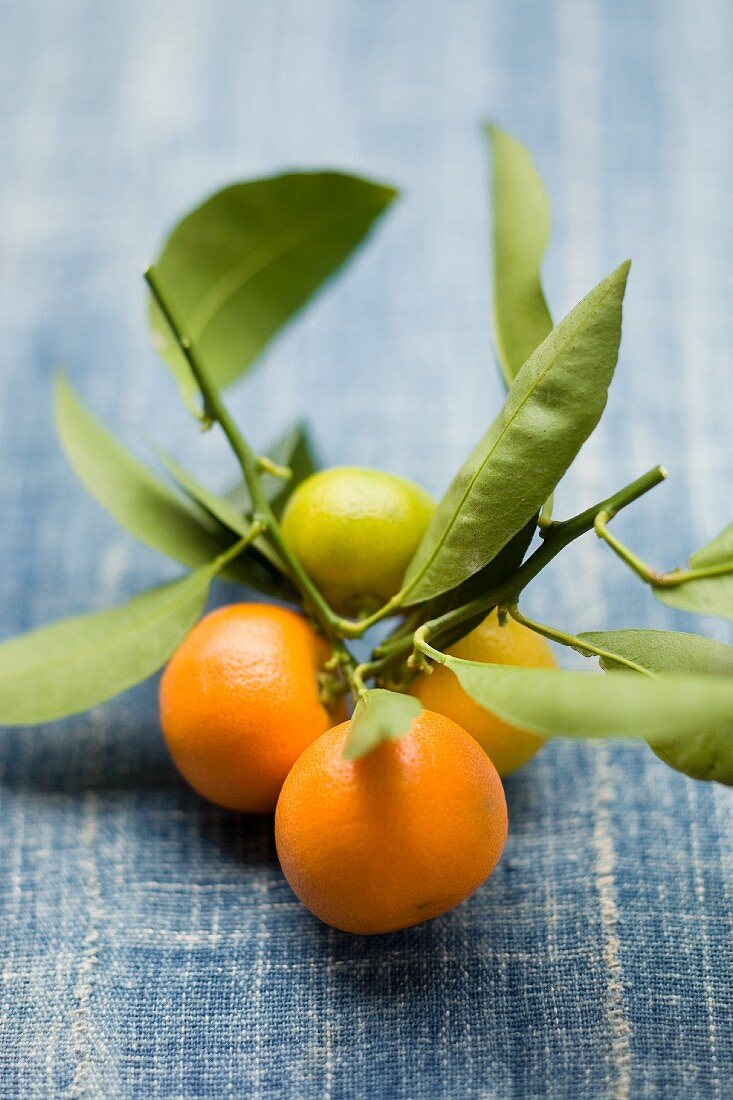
(381, 716)
(554, 404)
(499, 569)
(240, 266)
(717, 552)
(232, 509)
(707, 595)
(134, 496)
(559, 703)
(218, 507)
(73, 665)
(663, 651)
(707, 753)
(506, 562)
(264, 567)
(521, 230)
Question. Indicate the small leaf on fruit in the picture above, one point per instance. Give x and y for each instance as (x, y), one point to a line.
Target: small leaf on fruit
(380, 716)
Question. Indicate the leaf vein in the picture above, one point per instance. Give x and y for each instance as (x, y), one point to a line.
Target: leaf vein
(219, 296)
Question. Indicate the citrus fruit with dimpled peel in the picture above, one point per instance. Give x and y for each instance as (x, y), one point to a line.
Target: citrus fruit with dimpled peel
(355, 531)
(239, 702)
(395, 838)
(489, 643)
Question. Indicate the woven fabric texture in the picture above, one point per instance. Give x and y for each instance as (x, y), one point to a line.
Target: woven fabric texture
(150, 945)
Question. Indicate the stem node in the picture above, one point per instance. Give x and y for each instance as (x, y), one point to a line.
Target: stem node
(265, 465)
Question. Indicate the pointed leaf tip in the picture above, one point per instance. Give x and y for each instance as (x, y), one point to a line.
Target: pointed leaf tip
(520, 233)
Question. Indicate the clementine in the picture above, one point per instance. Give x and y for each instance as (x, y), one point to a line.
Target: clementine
(239, 702)
(395, 838)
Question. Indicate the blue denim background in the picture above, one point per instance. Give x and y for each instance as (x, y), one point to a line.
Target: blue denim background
(150, 946)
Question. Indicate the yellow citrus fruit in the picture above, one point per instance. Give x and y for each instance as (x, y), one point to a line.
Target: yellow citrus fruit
(395, 838)
(490, 643)
(239, 703)
(355, 531)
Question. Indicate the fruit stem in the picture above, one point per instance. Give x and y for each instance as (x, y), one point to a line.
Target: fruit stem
(356, 628)
(587, 649)
(216, 410)
(342, 660)
(356, 681)
(681, 576)
(370, 669)
(423, 649)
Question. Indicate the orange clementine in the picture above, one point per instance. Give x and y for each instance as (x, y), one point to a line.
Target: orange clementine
(490, 643)
(239, 703)
(395, 838)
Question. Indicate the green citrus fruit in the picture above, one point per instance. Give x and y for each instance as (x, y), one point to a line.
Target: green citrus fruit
(355, 531)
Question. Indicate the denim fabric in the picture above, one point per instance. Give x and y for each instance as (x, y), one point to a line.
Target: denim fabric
(150, 945)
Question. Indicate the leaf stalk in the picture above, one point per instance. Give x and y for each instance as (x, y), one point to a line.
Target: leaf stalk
(586, 649)
(651, 576)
